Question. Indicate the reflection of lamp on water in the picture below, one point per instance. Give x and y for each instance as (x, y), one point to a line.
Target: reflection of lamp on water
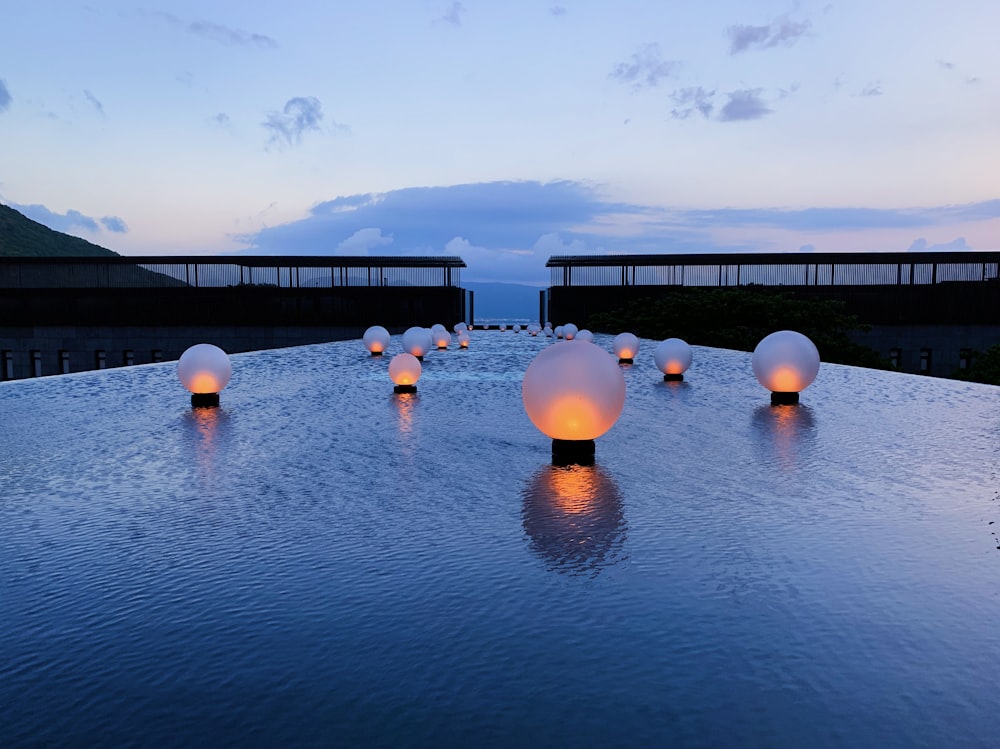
(625, 346)
(574, 518)
(417, 341)
(204, 370)
(573, 393)
(404, 371)
(786, 429)
(376, 340)
(673, 357)
(785, 363)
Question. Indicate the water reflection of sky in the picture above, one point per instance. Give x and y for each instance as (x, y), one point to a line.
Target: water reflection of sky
(321, 558)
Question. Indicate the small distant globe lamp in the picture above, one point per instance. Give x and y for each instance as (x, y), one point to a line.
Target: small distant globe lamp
(786, 363)
(570, 331)
(204, 370)
(516, 328)
(584, 335)
(503, 327)
(573, 394)
(625, 346)
(441, 339)
(404, 371)
(437, 327)
(376, 340)
(547, 331)
(558, 331)
(417, 341)
(459, 327)
(673, 357)
(463, 340)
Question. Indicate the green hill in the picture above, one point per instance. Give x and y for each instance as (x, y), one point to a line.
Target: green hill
(22, 237)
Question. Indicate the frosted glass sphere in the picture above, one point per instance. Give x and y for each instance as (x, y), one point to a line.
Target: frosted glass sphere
(625, 346)
(463, 339)
(376, 339)
(584, 335)
(417, 341)
(503, 327)
(570, 331)
(441, 338)
(437, 327)
(404, 369)
(517, 328)
(558, 332)
(548, 332)
(573, 392)
(785, 362)
(204, 369)
(459, 327)
(673, 356)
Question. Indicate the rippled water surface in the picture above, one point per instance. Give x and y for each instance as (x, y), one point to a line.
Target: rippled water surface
(321, 562)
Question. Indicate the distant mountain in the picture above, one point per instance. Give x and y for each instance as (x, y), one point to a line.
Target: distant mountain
(22, 237)
(504, 301)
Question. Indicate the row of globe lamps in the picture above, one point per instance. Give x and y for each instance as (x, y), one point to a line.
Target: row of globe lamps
(573, 393)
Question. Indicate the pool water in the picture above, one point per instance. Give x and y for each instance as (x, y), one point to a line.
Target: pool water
(320, 562)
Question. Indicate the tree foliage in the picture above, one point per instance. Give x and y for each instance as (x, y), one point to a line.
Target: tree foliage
(985, 367)
(740, 318)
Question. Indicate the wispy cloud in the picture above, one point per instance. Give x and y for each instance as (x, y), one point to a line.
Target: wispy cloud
(453, 14)
(222, 120)
(956, 245)
(782, 31)
(872, 89)
(215, 31)
(645, 68)
(745, 104)
(557, 10)
(691, 100)
(951, 67)
(94, 101)
(5, 97)
(301, 114)
(70, 220)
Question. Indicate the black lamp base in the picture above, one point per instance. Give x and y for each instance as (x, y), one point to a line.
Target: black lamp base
(204, 400)
(626, 360)
(376, 353)
(573, 452)
(784, 399)
(420, 358)
(404, 389)
(673, 378)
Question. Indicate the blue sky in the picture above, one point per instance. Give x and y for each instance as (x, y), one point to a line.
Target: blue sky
(504, 132)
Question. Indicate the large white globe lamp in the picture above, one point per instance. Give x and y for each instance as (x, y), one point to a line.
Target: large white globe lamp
(417, 341)
(376, 340)
(625, 346)
(785, 362)
(204, 370)
(573, 394)
(673, 357)
(404, 371)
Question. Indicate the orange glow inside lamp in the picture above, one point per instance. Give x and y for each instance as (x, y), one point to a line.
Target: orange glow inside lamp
(376, 340)
(570, 331)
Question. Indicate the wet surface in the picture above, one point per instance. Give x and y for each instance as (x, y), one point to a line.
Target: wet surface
(322, 562)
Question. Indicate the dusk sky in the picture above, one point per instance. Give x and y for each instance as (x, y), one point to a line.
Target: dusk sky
(504, 132)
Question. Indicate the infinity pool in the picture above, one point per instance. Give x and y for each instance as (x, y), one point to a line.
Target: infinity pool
(320, 562)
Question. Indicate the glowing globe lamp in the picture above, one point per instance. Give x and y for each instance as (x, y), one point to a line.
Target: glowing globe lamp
(785, 362)
(470, 326)
(548, 332)
(517, 328)
(376, 340)
(204, 370)
(573, 394)
(584, 335)
(558, 331)
(441, 338)
(417, 341)
(503, 327)
(570, 331)
(404, 371)
(463, 339)
(673, 357)
(625, 346)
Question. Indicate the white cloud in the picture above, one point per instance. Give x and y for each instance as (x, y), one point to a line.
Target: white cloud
(363, 241)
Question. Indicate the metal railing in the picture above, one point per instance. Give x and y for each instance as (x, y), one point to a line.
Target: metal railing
(775, 269)
(215, 272)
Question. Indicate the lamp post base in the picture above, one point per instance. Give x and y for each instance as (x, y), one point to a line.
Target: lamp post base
(673, 378)
(404, 389)
(626, 360)
(573, 452)
(784, 399)
(376, 353)
(204, 400)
